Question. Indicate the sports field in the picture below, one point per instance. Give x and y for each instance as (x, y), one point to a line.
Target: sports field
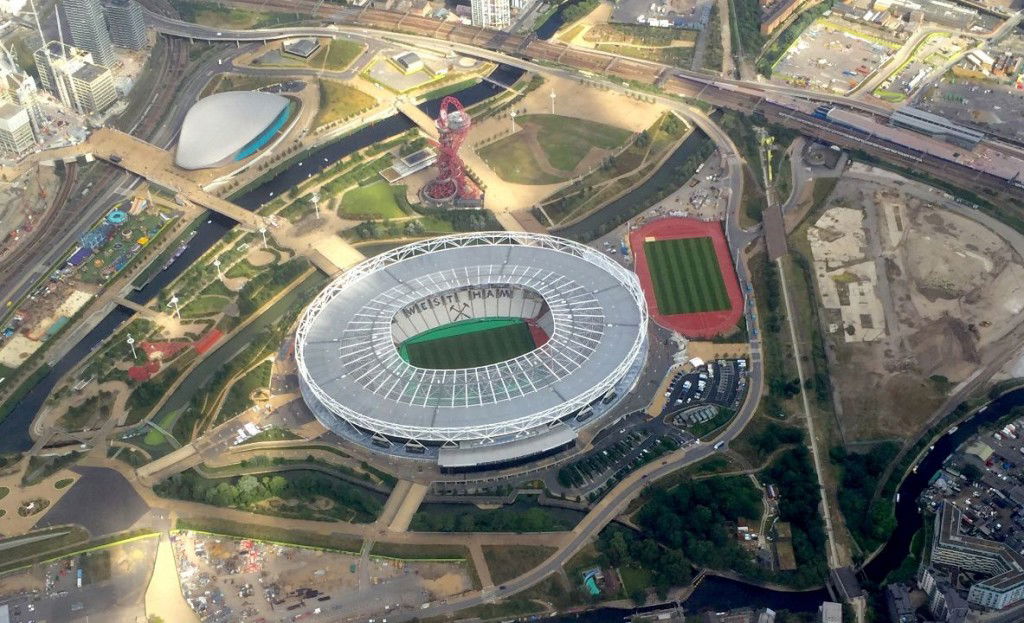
(686, 276)
(468, 344)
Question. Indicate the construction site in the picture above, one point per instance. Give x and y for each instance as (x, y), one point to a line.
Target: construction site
(915, 288)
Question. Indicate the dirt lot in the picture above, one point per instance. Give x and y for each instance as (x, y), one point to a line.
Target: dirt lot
(948, 287)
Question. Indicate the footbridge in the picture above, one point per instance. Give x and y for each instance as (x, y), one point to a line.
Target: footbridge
(420, 118)
(149, 161)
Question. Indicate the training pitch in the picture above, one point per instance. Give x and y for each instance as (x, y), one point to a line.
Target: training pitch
(469, 344)
(686, 275)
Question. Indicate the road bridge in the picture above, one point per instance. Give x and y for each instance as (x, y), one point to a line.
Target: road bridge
(141, 309)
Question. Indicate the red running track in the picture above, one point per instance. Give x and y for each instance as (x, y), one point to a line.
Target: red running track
(697, 325)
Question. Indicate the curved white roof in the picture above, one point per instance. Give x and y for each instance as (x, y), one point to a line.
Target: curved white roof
(349, 363)
(218, 126)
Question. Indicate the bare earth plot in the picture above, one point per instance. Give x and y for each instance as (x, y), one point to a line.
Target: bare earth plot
(912, 295)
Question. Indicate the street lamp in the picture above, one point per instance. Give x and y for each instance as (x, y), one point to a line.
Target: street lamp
(263, 231)
(552, 101)
(216, 264)
(316, 204)
(512, 115)
(131, 344)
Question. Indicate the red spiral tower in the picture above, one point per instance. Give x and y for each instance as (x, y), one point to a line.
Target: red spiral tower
(451, 186)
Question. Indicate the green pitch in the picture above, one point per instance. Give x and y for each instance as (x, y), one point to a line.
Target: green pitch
(468, 344)
(686, 276)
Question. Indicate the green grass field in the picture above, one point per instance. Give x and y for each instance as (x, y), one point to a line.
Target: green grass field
(468, 344)
(565, 141)
(686, 276)
(373, 201)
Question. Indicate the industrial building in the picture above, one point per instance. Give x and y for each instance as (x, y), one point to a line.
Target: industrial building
(126, 23)
(16, 136)
(70, 74)
(229, 126)
(935, 126)
(951, 546)
(89, 30)
(495, 14)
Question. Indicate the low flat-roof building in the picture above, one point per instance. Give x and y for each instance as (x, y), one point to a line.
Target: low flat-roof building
(935, 126)
(303, 48)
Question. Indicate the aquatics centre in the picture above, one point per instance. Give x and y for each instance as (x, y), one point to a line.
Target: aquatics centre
(479, 350)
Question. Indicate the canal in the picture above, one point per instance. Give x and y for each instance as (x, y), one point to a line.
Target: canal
(14, 429)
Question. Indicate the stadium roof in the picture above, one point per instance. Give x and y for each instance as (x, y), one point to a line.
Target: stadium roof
(349, 361)
(219, 126)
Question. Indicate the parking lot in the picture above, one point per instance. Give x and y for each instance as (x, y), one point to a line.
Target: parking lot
(994, 107)
(695, 397)
(225, 579)
(829, 59)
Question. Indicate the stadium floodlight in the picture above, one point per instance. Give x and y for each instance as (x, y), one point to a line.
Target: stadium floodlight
(131, 344)
(174, 302)
(354, 375)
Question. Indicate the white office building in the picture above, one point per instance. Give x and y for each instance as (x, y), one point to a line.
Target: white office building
(16, 136)
(496, 14)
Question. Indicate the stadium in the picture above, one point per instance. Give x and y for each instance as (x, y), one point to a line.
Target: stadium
(479, 351)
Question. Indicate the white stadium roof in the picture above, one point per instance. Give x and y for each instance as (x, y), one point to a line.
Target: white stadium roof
(350, 365)
(219, 126)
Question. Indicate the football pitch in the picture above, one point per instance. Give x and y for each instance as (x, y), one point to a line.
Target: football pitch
(686, 276)
(468, 344)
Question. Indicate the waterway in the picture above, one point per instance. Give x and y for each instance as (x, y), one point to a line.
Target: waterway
(14, 430)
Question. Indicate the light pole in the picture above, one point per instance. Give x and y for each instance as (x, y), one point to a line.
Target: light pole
(216, 264)
(512, 115)
(263, 231)
(316, 204)
(131, 344)
(552, 101)
(174, 302)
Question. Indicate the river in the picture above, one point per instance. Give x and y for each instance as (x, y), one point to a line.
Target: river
(14, 430)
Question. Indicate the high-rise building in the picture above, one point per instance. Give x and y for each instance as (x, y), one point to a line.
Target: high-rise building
(495, 14)
(78, 83)
(126, 23)
(89, 29)
(16, 137)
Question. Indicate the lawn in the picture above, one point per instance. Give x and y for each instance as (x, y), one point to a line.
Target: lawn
(378, 200)
(339, 102)
(686, 276)
(512, 160)
(469, 344)
(234, 82)
(566, 141)
(341, 53)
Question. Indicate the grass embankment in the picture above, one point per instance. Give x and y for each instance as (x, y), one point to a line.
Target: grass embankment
(282, 536)
(340, 102)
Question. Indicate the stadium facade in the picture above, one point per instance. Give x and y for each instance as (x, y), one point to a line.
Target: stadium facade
(585, 314)
(230, 126)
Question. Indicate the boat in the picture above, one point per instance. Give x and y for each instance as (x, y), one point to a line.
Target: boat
(953, 430)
